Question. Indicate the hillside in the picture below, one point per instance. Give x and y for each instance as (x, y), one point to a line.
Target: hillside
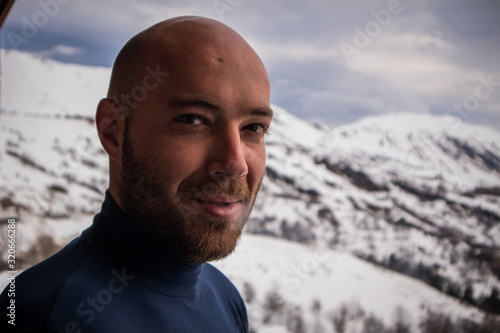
(415, 193)
(409, 193)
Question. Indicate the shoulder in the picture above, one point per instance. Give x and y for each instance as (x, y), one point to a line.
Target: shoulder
(36, 289)
(225, 291)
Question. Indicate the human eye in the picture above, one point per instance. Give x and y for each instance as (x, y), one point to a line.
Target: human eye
(190, 119)
(257, 128)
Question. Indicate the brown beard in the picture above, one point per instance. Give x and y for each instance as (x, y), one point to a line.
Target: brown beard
(185, 232)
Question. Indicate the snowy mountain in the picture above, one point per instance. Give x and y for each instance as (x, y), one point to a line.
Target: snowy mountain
(352, 205)
(415, 193)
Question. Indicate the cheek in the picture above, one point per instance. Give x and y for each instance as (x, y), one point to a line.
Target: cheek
(179, 163)
(256, 167)
(175, 159)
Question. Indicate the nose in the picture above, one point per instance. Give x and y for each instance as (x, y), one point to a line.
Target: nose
(227, 156)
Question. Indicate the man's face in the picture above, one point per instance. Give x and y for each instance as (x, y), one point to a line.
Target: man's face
(194, 156)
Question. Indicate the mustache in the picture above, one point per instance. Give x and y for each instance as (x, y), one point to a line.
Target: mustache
(218, 188)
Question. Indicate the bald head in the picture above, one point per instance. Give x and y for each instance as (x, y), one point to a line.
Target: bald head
(193, 91)
(172, 46)
(187, 166)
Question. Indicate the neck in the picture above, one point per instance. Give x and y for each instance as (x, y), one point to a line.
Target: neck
(130, 248)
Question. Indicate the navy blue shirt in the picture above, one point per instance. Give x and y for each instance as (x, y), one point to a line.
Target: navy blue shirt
(114, 279)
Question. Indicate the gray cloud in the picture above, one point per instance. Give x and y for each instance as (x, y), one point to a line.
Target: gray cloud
(426, 57)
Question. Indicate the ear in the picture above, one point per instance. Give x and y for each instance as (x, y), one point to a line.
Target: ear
(110, 122)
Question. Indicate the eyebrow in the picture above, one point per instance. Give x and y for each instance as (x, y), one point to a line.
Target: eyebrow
(265, 112)
(180, 103)
(199, 102)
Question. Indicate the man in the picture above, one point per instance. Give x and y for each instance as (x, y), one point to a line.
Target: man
(183, 125)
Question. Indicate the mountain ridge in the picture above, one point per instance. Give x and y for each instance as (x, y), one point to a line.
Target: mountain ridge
(413, 193)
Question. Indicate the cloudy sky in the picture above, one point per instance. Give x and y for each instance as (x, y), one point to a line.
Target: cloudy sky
(329, 61)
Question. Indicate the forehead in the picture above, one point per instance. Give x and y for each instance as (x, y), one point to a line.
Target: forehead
(205, 63)
(213, 77)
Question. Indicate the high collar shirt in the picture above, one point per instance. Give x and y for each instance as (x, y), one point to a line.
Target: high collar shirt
(115, 279)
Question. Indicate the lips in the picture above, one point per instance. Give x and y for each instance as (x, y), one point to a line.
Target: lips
(219, 207)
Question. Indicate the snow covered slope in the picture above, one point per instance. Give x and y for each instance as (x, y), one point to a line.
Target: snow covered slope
(417, 194)
(307, 275)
